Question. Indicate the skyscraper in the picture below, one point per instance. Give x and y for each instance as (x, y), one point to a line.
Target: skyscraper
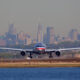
(40, 34)
(50, 35)
(28, 39)
(21, 38)
(11, 30)
(11, 35)
(73, 34)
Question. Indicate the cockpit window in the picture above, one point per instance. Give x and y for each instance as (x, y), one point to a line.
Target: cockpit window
(39, 45)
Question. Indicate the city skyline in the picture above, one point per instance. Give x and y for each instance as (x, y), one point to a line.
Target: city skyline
(43, 31)
(63, 15)
(12, 37)
(40, 30)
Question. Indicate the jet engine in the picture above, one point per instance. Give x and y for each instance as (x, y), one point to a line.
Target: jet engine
(22, 53)
(57, 53)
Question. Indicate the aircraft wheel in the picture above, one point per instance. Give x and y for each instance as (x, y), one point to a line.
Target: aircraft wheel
(50, 56)
(30, 55)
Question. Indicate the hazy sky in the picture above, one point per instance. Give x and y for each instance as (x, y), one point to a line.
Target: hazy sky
(63, 15)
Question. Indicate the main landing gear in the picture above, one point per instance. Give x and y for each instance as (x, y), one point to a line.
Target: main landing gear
(50, 55)
(30, 55)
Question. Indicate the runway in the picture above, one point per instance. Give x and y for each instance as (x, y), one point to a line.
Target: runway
(40, 63)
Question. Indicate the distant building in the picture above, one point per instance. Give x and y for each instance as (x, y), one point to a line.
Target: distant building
(11, 30)
(24, 39)
(21, 38)
(11, 35)
(2, 42)
(28, 39)
(34, 41)
(78, 36)
(45, 38)
(73, 34)
(40, 34)
(50, 35)
(21, 35)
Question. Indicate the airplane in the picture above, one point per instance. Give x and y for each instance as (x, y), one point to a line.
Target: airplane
(39, 48)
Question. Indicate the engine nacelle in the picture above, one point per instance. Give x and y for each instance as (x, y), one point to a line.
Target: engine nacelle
(57, 53)
(22, 53)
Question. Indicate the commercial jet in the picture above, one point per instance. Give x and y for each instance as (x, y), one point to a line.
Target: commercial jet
(40, 48)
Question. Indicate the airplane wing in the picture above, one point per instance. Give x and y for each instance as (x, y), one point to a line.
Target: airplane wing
(63, 49)
(68, 49)
(15, 49)
(47, 50)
